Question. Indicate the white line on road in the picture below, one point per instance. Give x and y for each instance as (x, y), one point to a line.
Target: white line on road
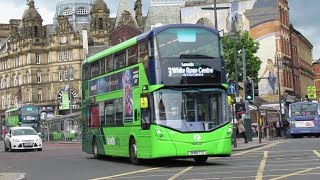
(124, 174)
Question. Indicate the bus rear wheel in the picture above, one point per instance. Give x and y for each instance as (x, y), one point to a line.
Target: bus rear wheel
(95, 149)
(133, 151)
(200, 159)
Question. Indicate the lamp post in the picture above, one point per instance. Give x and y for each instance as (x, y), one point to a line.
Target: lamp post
(235, 74)
(277, 57)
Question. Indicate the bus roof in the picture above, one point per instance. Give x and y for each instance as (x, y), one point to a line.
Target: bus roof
(11, 110)
(140, 37)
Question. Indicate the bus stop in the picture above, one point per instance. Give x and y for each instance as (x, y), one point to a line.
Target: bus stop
(63, 127)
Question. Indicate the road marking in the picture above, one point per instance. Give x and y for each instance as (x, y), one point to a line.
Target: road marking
(124, 174)
(299, 172)
(316, 152)
(263, 147)
(262, 166)
(296, 173)
(180, 173)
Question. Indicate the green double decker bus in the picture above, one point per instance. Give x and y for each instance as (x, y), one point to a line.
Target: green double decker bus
(161, 94)
(26, 115)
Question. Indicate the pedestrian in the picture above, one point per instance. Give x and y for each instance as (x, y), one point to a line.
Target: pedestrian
(278, 128)
(241, 128)
(286, 125)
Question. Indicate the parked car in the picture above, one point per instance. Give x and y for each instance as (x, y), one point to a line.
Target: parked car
(20, 138)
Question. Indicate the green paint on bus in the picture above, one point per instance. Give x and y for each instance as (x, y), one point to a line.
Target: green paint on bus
(171, 104)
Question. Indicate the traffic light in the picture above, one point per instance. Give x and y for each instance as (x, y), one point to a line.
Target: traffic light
(249, 91)
(256, 89)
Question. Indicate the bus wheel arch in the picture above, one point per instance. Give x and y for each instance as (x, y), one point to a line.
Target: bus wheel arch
(133, 151)
(95, 148)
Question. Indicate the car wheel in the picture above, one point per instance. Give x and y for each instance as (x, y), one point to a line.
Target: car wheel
(200, 159)
(5, 147)
(95, 148)
(133, 151)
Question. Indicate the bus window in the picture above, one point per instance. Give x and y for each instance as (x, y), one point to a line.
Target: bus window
(87, 73)
(109, 63)
(102, 65)
(143, 51)
(109, 113)
(133, 55)
(95, 69)
(120, 60)
(101, 114)
(94, 116)
(119, 111)
(191, 42)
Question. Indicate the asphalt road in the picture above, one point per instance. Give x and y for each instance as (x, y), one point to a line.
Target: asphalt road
(294, 159)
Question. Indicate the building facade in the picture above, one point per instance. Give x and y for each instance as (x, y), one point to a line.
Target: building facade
(41, 64)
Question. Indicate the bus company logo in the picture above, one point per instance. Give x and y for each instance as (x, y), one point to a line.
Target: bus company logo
(197, 137)
(113, 141)
(188, 64)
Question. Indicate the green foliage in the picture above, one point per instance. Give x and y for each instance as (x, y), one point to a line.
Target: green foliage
(242, 40)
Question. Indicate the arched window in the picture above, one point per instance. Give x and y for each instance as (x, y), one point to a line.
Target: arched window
(35, 31)
(20, 79)
(15, 80)
(67, 11)
(81, 10)
(38, 77)
(100, 23)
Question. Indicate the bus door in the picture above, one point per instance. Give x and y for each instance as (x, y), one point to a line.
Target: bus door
(145, 112)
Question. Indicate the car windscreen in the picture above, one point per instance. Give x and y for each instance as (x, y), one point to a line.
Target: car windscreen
(22, 132)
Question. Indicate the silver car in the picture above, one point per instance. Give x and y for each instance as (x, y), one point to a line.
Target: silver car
(20, 138)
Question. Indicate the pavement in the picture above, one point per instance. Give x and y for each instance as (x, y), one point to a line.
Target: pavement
(241, 146)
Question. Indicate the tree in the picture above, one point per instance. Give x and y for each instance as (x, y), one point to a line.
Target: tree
(243, 40)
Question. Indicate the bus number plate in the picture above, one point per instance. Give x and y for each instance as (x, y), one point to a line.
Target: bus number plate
(197, 153)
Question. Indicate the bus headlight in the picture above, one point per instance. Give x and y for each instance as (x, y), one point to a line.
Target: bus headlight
(159, 133)
(229, 131)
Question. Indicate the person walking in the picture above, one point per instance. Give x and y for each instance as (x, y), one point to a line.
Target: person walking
(286, 126)
(278, 128)
(241, 128)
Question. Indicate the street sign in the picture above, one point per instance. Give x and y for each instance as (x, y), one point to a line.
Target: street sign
(241, 108)
(232, 89)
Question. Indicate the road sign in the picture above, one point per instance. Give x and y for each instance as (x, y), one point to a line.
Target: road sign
(232, 89)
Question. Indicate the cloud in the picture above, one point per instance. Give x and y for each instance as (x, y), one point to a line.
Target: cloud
(304, 19)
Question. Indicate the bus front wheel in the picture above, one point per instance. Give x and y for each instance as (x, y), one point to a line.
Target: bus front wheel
(95, 148)
(133, 151)
(200, 159)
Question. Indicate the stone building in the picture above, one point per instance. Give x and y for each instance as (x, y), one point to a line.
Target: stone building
(41, 64)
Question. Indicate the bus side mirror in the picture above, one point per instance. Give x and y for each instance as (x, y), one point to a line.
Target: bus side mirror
(144, 102)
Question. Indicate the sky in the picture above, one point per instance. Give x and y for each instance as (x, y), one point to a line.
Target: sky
(302, 15)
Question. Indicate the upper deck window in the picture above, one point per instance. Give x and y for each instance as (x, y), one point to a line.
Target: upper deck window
(188, 42)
